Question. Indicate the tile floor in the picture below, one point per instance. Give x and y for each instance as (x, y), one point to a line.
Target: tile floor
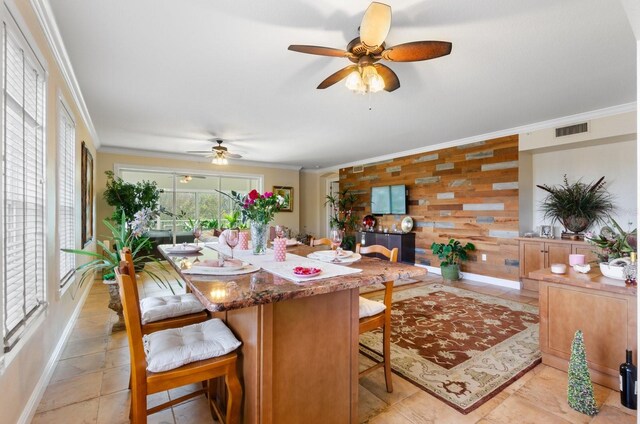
(90, 383)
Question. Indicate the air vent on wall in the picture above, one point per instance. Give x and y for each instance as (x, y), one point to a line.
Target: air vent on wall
(358, 168)
(572, 129)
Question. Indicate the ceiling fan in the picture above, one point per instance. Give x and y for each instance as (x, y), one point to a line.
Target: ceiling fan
(219, 153)
(187, 178)
(366, 50)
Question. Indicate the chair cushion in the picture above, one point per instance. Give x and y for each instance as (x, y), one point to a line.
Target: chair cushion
(162, 307)
(173, 348)
(370, 307)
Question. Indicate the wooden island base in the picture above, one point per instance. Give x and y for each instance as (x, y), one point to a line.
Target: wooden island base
(604, 310)
(299, 359)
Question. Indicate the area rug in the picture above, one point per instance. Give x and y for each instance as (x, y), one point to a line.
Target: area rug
(460, 346)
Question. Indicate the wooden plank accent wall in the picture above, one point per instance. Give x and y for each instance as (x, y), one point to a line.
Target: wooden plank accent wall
(467, 192)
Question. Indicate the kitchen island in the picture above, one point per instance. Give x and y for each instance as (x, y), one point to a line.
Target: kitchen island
(603, 308)
(299, 354)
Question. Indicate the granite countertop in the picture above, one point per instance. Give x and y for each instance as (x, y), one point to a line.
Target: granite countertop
(223, 293)
(592, 280)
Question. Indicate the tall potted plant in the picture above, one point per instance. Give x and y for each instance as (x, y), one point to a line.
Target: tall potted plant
(577, 205)
(342, 216)
(129, 198)
(451, 254)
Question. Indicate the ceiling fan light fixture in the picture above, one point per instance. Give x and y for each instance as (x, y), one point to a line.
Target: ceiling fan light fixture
(365, 80)
(354, 82)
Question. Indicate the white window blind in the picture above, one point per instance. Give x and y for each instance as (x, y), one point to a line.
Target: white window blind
(66, 182)
(23, 244)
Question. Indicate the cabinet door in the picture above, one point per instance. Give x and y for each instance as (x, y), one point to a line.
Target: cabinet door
(531, 257)
(557, 253)
(382, 239)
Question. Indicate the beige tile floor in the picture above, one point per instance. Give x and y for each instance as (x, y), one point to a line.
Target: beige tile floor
(90, 383)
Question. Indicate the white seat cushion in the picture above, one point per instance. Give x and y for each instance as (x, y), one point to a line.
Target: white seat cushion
(370, 307)
(173, 348)
(163, 307)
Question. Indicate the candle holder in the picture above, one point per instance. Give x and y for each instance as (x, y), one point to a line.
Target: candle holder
(280, 249)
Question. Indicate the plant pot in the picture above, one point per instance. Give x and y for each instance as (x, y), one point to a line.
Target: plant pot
(115, 304)
(450, 272)
(576, 224)
(614, 269)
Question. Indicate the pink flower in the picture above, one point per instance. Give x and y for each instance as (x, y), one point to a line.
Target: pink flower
(267, 194)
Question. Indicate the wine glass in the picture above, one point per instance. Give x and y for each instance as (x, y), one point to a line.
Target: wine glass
(231, 239)
(335, 235)
(197, 232)
(279, 231)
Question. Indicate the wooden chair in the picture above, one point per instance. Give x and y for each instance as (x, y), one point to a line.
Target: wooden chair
(174, 322)
(381, 319)
(146, 382)
(376, 248)
(319, 242)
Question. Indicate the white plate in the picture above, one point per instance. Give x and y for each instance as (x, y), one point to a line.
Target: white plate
(348, 260)
(407, 224)
(181, 248)
(229, 264)
(332, 254)
(207, 270)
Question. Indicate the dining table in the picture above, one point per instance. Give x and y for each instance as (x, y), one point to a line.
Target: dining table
(299, 355)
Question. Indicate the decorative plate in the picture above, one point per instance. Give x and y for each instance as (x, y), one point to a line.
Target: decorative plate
(369, 221)
(183, 248)
(332, 253)
(341, 260)
(407, 224)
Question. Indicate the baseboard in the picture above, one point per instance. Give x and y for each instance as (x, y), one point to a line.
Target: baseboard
(478, 277)
(30, 408)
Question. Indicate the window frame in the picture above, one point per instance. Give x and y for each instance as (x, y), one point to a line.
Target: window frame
(69, 276)
(18, 29)
(118, 168)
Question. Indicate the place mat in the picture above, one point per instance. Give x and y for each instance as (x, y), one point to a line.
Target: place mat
(285, 269)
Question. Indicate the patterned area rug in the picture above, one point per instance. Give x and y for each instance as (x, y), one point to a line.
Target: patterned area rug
(460, 346)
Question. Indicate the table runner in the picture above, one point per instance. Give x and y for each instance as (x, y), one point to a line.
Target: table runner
(285, 269)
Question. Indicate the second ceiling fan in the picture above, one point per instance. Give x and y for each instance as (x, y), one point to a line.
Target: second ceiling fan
(366, 75)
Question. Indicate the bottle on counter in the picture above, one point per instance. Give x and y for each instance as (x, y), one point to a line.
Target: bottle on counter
(628, 383)
(631, 271)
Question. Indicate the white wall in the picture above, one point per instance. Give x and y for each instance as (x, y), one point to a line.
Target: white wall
(615, 161)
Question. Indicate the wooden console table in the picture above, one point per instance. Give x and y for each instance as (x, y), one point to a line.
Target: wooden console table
(605, 311)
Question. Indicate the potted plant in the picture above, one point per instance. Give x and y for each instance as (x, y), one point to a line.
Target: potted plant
(614, 247)
(451, 254)
(342, 217)
(578, 205)
(129, 198)
(123, 235)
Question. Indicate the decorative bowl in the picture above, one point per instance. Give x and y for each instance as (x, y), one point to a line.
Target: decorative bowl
(612, 270)
(558, 268)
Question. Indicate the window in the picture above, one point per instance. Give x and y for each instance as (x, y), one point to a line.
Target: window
(22, 251)
(66, 194)
(195, 197)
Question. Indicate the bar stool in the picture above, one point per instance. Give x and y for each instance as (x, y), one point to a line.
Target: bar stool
(378, 315)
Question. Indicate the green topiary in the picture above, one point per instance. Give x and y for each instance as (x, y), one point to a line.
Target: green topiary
(580, 389)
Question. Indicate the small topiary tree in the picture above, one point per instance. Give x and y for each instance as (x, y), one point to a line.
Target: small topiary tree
(580, 389)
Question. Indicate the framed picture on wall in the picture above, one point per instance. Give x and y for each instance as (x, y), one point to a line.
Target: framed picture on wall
(86, 189)
(284, 192)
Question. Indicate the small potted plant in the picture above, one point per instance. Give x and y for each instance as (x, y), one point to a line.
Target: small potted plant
(614, 245)
(451, 254)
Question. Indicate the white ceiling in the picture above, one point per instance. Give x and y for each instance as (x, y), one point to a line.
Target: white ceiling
(165, 76)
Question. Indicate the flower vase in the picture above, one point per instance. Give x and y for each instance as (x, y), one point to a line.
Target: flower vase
(259, 233)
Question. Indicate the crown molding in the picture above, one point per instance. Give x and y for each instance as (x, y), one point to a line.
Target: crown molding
(551, 123)
(49, 26)
(180, 156)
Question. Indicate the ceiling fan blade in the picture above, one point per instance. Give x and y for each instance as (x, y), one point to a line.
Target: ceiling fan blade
(375, 25)
(417, 50)
(198, 151)
(337, 76)
(391, 81)
(322, 51)
(233, 156)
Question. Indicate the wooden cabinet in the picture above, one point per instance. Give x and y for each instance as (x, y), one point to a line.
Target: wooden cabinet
(537, 253)
(601, 308)
(405, 242)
